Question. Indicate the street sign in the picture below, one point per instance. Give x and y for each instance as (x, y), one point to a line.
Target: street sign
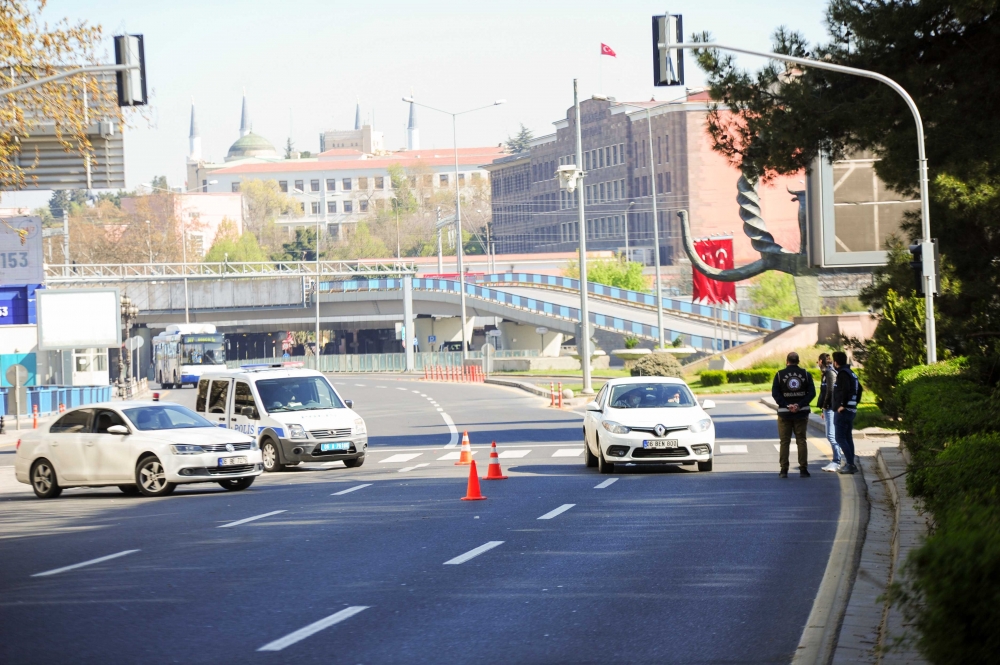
(541, 330)
(131, 84)
(17, 374)
(431, 339)
(493, 333)
(21, 251)
(18, 396)
(668, 63)
(133, 343)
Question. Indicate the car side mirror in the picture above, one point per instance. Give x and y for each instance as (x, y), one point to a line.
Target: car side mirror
(349, 403)
(593, 406)
(708, 404)
(118, 429)
(248, 412)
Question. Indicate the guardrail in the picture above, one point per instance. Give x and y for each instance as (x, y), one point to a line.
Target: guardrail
(381, 362)
(48, 398)
(110, 272)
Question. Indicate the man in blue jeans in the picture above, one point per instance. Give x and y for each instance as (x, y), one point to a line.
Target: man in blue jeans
(846, 397)
(828, 376)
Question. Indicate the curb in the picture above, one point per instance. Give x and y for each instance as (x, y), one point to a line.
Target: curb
(523, 385)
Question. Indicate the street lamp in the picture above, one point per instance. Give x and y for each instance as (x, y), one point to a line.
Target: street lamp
(656, 219)
(627, 209)
(321, 217)
(925, 216)
(458, 211)
(149, 241)
(129, 313)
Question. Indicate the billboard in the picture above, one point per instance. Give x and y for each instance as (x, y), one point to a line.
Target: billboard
(78, 319)
(852, 212)
(21, 251)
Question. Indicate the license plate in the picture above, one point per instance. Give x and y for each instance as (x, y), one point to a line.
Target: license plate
(334, 446)
(232, 461)
(662, 443)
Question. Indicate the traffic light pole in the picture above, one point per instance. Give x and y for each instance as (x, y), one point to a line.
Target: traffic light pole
(925, 217)
(95, 69)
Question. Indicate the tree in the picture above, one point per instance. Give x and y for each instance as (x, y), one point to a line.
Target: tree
(63, 199)
(301, 248)
(231, 246)
(159, 182)
(263, 203)
(611, 272)
(289, 148)
(361, 244)
(520, 142)
(773, 295)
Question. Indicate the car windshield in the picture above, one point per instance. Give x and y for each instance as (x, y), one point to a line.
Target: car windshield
(297, 393)
(168, 416)
(650, 396)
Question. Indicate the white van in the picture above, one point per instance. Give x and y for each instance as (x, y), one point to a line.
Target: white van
(295, 414)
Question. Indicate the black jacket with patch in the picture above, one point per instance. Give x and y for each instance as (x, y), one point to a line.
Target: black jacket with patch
(793, 385)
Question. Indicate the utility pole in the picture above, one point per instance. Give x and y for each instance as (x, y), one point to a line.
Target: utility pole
(583, 338)
(437, 225)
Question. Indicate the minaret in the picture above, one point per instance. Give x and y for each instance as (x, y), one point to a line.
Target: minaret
(412, 133)
(245, 116)
(194, 139)
(357, 116)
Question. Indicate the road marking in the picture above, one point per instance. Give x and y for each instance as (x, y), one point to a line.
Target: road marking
(415, 391)
(513, 454)
(471, 554)
(351, 489)
(606, 483)
(251, 519)
(415, 466)
(403, 389)
(403, 457)
(568, 452)
(454, 455)
(313, 628)
(723, 449)
(792, 448)
(453, 441)
(85, 563)
(440, 410)
(360, 385)
(423, 395)
(558, 511)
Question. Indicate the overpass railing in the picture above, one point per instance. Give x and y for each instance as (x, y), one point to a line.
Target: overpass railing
(610, 323)
(110, 272)
(382, 362)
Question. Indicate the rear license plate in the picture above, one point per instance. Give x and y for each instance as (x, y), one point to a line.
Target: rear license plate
(334, 446)
(232, 461)
(663, 443)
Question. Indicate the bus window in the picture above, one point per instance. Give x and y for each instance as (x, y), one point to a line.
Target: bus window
(220, 392)
(202, 395)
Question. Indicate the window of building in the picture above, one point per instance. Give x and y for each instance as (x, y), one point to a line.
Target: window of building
(635, 187)
(622, 188)
(659, 183)
(666, 148)
(621, 153)
(666, 182)
(348, 207)
(443, 179)
(600, 158)
(314, 185)
(302, 207)
(461, 179)
(428, 181)
(413, 181)
(236, 186)
(601, 194)
(331, 184)
(586, 160)
(379, 182)
(615, 187)
(476, 177)
(347, 185)
(364, 205)
(300, 186)
(283, 186)
(645, 185)
(607, 156)
(614, 154)
(331, 207)
(659, 150)
(314, 206)
(363, 183)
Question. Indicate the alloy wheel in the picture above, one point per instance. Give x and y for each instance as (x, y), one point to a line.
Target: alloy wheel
(42, 478)
(152, 477)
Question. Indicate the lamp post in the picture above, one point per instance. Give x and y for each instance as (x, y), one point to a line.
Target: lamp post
(925, 216)
(627, 209)
(458, 208)
(319, 218)
(129, 313)
(656, 219)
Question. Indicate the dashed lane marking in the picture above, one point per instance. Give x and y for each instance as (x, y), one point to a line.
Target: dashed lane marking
(729, 450)
(402, 457)
(250, 519)
(792, 448)
(313, 628)
(102, 559)
(403, 389)
(513, 454)
(568, 452)
(558, 511)
(606, 483)
(415, 466)
(471, 554)
(351, 489)
(453, 456)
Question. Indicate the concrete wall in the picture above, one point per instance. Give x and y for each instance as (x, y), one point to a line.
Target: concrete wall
(832, 326)
(518, 337)
(214, 294)
(445, 330)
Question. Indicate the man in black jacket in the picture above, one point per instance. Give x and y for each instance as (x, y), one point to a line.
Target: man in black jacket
(846, 397)
(793, 389)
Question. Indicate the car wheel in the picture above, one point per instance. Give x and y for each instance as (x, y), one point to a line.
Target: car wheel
(603, 466)
(705, 466)
(44, 480)
(589, 458)
(353, 463)
(237, 484)
(269, 451)
(151, 478)
(131, 490)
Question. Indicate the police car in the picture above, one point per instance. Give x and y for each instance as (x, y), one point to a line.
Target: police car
(294, 413)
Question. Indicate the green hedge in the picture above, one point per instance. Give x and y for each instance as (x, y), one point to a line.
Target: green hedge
(751, 375)
(714, 377)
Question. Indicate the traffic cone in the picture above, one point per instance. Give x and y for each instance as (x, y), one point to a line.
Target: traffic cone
(473, 493)
(466, 456)
(494, 472)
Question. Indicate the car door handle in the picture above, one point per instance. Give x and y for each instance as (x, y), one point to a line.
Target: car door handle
(233, 419)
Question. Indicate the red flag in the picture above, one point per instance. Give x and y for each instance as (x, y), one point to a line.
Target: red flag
(717, 253)
(607, 50)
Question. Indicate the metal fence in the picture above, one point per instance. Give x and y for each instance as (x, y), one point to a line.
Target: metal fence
(381, 362)
(48, 398)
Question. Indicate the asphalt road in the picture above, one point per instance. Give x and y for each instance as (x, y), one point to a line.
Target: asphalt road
(669, 566)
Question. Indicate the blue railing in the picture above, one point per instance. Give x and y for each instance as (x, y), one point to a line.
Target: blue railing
(48, 398)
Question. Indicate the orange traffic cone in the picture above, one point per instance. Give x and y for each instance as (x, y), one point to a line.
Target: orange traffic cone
(466, 456)
(473, 492)
(494, 472)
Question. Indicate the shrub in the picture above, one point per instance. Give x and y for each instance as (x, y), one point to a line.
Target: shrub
(714, 377)
(631, 341)
(751, 375)
(657, 364)
(966, 473)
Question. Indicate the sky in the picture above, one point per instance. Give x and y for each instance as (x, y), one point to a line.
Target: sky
(304, 65)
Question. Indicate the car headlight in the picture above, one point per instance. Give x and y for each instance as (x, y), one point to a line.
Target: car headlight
(701, 426)
(615, 428)
(185, 449)
(297, 432)
(359, 426)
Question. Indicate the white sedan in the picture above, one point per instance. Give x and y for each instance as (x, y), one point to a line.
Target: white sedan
(648, 420)
(142, 447)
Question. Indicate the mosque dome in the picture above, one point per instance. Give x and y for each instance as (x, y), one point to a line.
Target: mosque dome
(251, 145)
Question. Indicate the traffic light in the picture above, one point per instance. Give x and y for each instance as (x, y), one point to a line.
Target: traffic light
(668, 63)
(131, 82)
(918, 259)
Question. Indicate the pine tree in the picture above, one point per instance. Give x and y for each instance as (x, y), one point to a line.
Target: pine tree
(520, 142)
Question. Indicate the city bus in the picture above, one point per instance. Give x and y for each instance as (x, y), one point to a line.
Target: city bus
(184, 351)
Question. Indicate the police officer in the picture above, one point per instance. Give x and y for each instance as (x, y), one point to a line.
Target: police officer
(846, 397)
(793, 389)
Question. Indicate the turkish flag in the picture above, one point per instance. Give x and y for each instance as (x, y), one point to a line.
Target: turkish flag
(717, 253)
(607, 50)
